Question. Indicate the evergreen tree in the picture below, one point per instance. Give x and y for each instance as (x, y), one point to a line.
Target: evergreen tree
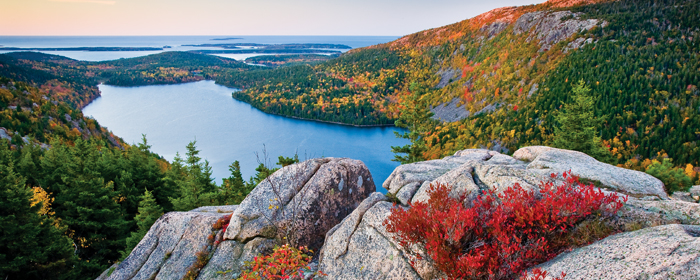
(87, 205)
(234, 189)
(174, 176)
(578, 125)
(149, 212)
(196, 187)
(285, 161)
(416, 118)
(31, 246)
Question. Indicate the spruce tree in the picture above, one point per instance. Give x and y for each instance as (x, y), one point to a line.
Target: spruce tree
(87, 205)
(578, 125)
(234, 189)
(415, 118)
(149, 212)
(31, 246)
(196, 188)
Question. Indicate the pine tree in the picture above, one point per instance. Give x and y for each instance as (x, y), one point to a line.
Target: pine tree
(578, 125)
(415, 118)
(31, 246)
(149, 212)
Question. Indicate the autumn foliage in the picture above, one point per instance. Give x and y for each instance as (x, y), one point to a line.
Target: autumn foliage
(497, 235)
(285, 262)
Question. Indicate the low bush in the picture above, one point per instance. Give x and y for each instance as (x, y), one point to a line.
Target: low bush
(285, 262)
(497, 236)
(674, 178)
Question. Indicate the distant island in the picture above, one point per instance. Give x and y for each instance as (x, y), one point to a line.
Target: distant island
(265, 51)
(275, 46)
(89, 49)
(226, 39)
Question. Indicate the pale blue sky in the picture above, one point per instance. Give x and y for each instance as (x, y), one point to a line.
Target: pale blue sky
(236, 17)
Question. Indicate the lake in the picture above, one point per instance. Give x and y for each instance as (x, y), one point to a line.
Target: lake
(226, 129)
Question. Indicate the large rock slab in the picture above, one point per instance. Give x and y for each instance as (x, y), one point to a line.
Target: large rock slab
(169, 247)
(360, 248)
(547, 160)
(663, 252)
(302, 201)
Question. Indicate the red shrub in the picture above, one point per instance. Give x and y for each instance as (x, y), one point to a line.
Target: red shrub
(222, 223)
(539, 274)
(499, 235)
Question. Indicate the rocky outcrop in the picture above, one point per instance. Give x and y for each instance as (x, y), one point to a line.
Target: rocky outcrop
(302, 201)
(550, 28)
(663, 252)
(450, 112)
(360, 248)
(548, 160)
(331, 203)
(695, 193)
(169, 247)
(309, 197)
(447, 76)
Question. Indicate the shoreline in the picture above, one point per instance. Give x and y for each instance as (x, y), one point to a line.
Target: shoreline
(251, 105)
(322, 121)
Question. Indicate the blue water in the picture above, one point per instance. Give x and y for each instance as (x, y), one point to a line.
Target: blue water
(226, 129)
(176, 42)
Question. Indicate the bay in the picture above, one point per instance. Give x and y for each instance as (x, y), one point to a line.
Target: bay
(226, 129)
(176, 43)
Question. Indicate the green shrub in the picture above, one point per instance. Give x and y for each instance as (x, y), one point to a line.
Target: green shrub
(674, 179)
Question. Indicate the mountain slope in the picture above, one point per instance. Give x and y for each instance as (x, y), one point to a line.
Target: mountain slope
(498, 80)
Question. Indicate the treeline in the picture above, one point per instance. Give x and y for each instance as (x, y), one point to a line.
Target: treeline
(163, 68)
(64, 79)
(31, 114)
(86, 203)
(355, 88)
(75, 199)
(289, 60)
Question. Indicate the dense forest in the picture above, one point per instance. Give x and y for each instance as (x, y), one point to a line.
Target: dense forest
(75, 197)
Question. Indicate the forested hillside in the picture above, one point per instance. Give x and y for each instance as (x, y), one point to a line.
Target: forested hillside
(74, 82)
(74, 198)
(498, 80)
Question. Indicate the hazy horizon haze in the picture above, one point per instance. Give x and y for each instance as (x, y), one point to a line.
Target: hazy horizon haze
(237, 17)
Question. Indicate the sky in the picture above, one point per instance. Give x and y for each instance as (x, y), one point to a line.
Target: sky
(237, 17)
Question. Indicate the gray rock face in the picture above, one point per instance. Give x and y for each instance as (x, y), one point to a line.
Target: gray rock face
(694, 191)
(360, 248)
(169, 247)
(447, 76)
(549, 28)
(324, 190)
(547, 160)
(216, 209)
(663, 252)
(450, 112)
(683, 196)
(306, 199)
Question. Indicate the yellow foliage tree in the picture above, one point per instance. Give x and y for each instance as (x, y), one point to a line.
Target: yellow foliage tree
(41, 196)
